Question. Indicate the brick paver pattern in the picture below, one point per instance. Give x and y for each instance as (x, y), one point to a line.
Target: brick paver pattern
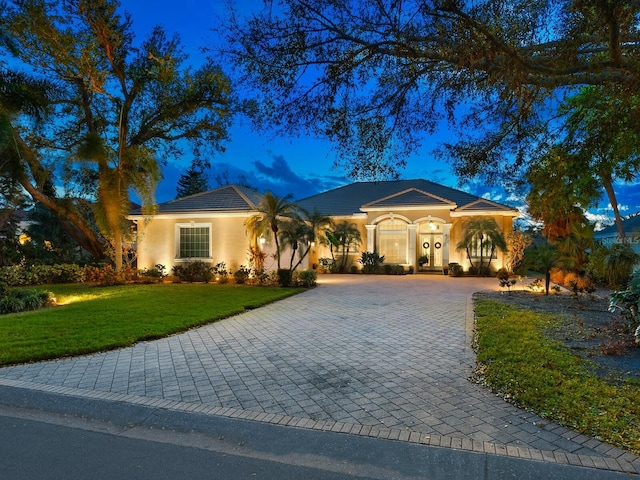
(390, 353)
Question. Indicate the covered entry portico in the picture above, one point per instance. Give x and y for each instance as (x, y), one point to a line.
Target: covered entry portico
(422, 243)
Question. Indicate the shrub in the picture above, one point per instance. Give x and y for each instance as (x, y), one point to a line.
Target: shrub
(561, 277)
(397, 270)
(11, 304)
(241, 275)
(627, 300)
(328, 265)
(197, 271)
(158, 272)
(104, 275)
(17, 276)
(21, 300)
(371, 261)
(595, 267)
(284, 277)
(221, 273)
(503, 278)
(307, 278)
(455, 269)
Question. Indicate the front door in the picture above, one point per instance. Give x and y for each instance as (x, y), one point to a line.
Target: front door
(431, 245)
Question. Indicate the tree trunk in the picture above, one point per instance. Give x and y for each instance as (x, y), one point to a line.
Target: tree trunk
(547, 281)
(72, 223)
(469, 257)
(608, 186)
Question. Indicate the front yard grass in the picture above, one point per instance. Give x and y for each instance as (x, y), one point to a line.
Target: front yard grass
(517, 360)
(89, 319)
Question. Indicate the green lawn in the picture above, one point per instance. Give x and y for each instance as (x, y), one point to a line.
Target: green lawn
(91, 319)
(541, 375)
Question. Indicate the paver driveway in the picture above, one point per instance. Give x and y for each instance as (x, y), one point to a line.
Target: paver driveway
(380, 354)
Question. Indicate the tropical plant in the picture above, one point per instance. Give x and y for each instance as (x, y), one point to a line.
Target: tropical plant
(628, 301)
(371, 261)
(343, 237)
(542, 258)
(113, 110)
(574, 247)
(306, 278)
(482, 235)
(272, 211)
(242, 274)
(303, 232)
(619, 263)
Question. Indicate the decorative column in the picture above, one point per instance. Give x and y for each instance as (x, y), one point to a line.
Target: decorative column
(371, 238)
(446, 233)
(412, 228)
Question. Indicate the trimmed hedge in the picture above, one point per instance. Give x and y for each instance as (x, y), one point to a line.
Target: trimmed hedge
(18, 276)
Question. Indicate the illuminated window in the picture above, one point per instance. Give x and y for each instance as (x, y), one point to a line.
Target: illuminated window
(474, 249)
(392, 241)
(193, 240)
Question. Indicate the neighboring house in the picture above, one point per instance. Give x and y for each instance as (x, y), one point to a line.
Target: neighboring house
(403, 220)
(631, 226)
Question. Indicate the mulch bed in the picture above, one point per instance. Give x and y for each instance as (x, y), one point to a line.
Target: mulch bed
(587, 328)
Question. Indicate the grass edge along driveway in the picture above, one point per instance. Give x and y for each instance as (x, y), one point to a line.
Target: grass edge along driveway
(89, 319)
(516, 359)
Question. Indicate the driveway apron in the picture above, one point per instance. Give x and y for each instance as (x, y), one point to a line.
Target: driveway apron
(384, 356)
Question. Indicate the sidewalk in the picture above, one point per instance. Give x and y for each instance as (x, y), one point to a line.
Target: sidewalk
(370, 356)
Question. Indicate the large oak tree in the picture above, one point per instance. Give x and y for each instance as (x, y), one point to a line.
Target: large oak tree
(375, 76)
(115, 109)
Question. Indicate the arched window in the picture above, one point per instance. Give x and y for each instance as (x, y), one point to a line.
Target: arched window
(392, 241)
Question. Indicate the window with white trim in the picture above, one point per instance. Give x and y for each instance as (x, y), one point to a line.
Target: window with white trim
(392, 241)
(474, 249)
(193, 240)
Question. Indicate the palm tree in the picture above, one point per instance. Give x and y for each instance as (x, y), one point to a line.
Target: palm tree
(574, 247)
(543, 258)
(343, 236)
(488, 234)
(271, 211)
(306, 231)
(292, 235)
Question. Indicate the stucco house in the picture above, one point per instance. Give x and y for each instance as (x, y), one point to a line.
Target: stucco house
(403, 220)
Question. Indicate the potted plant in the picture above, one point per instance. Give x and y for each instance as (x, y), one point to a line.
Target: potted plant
(423, 260)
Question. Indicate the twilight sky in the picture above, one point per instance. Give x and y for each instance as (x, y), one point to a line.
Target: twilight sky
(300, 166)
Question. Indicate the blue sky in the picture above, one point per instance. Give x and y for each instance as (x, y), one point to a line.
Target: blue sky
(300, 166)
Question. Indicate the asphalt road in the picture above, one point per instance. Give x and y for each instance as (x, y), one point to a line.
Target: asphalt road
(48, 436)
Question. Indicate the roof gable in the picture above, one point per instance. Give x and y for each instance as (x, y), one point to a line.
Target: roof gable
(482, 205)
(412, 197)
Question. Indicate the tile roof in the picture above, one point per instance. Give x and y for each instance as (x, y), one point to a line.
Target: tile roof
(349, 199)
(231, 198)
